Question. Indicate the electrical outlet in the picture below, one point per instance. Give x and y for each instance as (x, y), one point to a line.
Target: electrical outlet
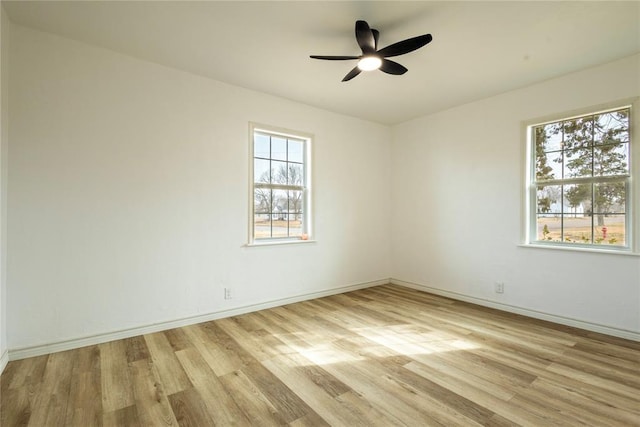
(227, 293)
(499, 287)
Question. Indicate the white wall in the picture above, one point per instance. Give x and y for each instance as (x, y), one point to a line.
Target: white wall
(457, 182)
(4, 130)
(128, 196)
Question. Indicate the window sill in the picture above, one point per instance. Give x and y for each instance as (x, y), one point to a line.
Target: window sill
(581, 249)
(278, 243)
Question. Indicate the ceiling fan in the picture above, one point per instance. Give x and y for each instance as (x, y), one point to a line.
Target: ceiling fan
(372, 58)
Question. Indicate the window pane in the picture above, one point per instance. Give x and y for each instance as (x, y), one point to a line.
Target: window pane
(578, 133)
(548, 165)
(612, 128)
(280, 204)
(262, 226)
(296, 151)
(295, 174)
(261, 147)
(611, 160)
(576, 228)
(610, 230)
(278, 148)
(548, 199)
(296, 203)
(261, 171)
(280, 226)
(609, 197)
(548, 137)
(280, 214)
(279, 172)
(280, 229)
(296, 206)
(578, 163)
(549, 228)
(577, 199)
(577, 207)
(262, 200)
(295, 226)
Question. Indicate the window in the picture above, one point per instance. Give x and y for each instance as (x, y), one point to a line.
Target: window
(280, 207)
(579, 183)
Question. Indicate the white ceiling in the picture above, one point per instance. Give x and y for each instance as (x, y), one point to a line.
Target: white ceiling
(479, 48)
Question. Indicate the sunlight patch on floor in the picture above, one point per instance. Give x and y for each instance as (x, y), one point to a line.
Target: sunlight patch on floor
(384, 341)
(407, 340)
(326, 355)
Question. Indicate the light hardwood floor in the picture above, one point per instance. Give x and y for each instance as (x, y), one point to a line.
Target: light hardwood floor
(380, 356)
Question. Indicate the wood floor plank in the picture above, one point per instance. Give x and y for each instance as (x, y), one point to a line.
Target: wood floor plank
(251, 401)
(24, 373)
(547, 399)
(20, 384)
(249, 322)
(288, 405)
(171, 373)
(594, 393)
(219, 402)
(372, 414)
(125, 417)
(479, 395)
(309, 420)
(220, 361)
(331, 410)
(630, 369)
(152, 404)
(21, 405)
(251, 341)
(177, 339)
(605, 414)
(189, 409)
(588, 378)
(399, 382)
(394, 401)
(85, 382)
(381, 356)
(320, 377)
(117, 388)
(499, 421)
(471, 411)
(51, 403)
(136, 349)
(614, 352)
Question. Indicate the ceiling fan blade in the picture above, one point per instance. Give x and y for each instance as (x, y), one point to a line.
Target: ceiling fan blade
(351, 74)
(376, 36)
(391, 67)
(365, 38)
(405, 46)
(333, 58)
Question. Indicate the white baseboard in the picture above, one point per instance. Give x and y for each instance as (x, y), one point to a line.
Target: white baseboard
(594, 327)
(32, 351)
(4, 359)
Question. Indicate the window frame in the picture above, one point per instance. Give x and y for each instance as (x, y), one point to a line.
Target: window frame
(305, 188)
(632, 220)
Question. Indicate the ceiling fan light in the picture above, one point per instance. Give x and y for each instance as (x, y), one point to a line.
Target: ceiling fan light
(369, 63)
